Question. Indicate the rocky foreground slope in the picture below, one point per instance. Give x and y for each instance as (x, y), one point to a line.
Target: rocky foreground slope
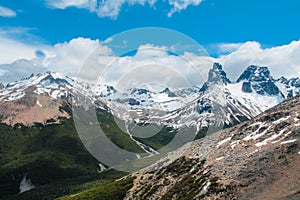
(258, 159)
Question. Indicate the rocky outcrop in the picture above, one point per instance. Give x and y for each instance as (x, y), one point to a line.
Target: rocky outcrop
(258, 159)
(258, 79)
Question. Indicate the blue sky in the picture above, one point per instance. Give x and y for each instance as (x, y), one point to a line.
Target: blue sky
(58, 35)
(212, 21)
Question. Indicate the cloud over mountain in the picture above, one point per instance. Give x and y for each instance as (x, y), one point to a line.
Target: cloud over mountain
(282, 60)
(70, 57)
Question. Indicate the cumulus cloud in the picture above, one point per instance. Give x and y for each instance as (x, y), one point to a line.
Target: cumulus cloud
(6, 12)
(282, 60)
(69, 56)
(112, 8)
(12, 49)
(153, 66)
(19, 60)
(224, 48)
(20, 69)
(150, 63)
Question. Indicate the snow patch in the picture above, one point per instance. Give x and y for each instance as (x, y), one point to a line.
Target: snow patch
(233, 144)
(288, 141)
(254, 135)
(38, 103)
(281, 120)
(25, 185)
(253, 101)
(220, 158)
(205, 187)
(223, 142)
(193, 169)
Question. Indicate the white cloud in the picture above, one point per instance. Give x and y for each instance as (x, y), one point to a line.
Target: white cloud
(19, 60)
(6, 12)
(112, 8)
(12, 49)
(225, 48)
(69, 56)
(153, 65)
(179, 5)
(281, 60)
(20, 68)
(62, 4)
(149, 64)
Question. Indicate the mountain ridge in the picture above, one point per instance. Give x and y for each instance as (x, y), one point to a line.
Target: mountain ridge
(253, 92)
(258, 159)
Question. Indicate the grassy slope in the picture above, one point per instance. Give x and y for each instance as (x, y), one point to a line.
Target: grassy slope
(106, 191)
(53, 157)
(55, 160)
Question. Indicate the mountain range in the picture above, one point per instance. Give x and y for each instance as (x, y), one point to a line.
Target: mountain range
(40, 150)
(219, 100)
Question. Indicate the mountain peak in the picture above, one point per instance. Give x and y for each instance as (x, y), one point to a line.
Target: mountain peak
(256, 74)
(169, 92)
(294, 82)
(217, 75)
(258, 79)
(282, 79)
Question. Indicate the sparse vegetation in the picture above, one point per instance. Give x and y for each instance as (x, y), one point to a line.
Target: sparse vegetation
(109, 190)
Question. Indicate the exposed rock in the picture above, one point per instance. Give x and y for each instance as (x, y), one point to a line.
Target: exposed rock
(255, 73)
(217, 75)
(246, 87)
(258, 159)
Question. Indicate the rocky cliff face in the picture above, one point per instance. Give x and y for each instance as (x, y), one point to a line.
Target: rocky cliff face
(258, 159)
(258, 79)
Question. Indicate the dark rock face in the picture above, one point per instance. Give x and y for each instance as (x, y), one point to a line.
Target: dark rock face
(49, 79)
(246, 87)
(204, 87)
(255, 73)
(133, 102)
(270, 88)
(139, 91)
(217, 75)
(283, 80)
(110, 89)
(294, 82)
(260, 80)
(169, 92)
(292, 86)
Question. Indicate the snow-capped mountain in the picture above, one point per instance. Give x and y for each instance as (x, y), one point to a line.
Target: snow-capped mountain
(258, 79)
(289, 88)
(53, 84)
(37, 99)
(219, 101)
